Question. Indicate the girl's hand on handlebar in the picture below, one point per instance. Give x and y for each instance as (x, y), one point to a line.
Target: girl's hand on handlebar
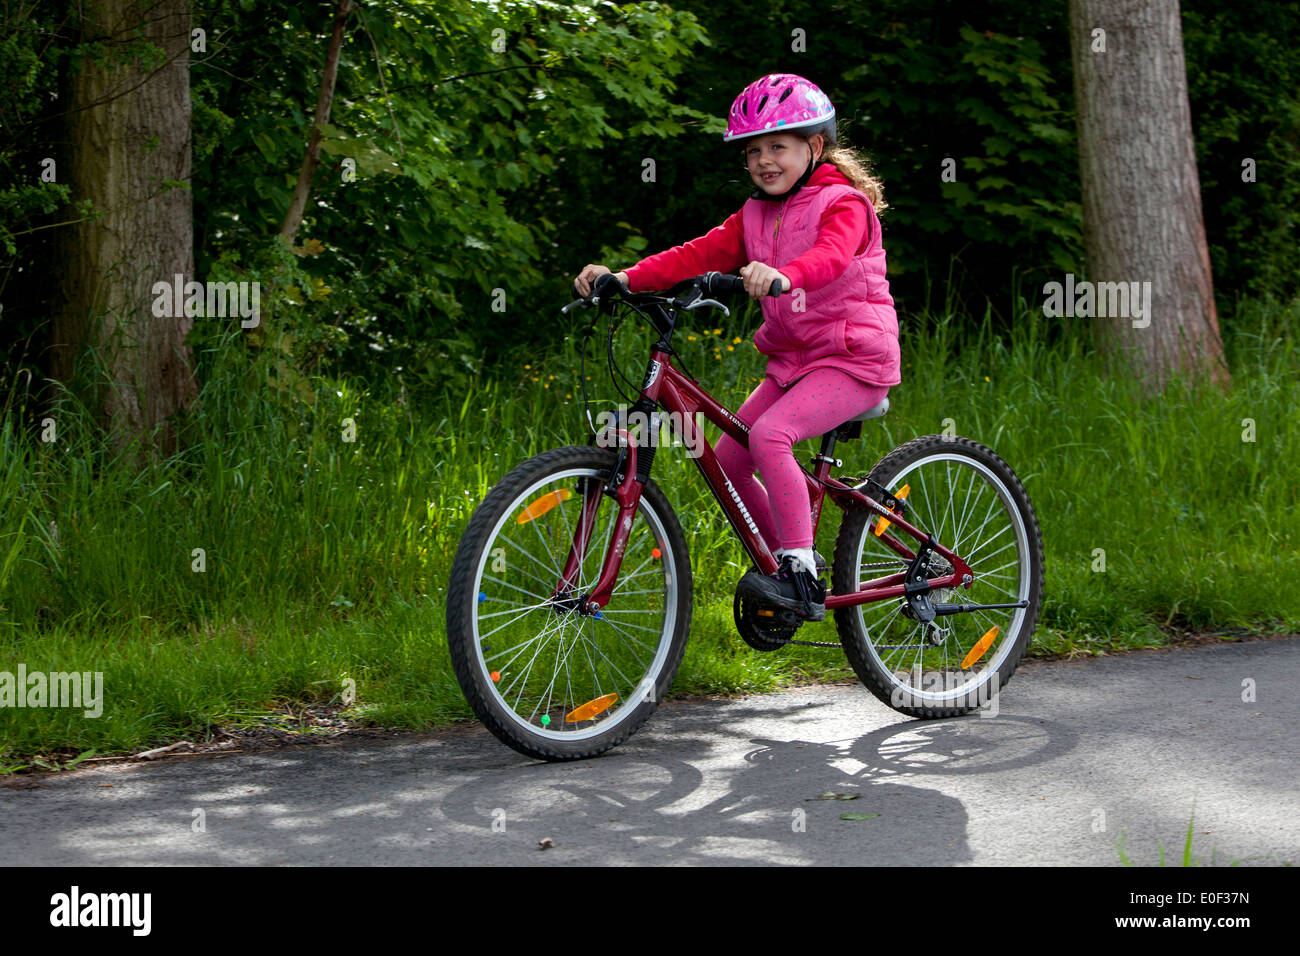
(758, 278)
(590, 273)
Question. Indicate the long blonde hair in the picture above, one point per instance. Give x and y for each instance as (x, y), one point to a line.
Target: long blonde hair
(855, 169)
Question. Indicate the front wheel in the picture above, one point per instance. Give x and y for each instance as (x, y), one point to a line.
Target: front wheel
(974, 504)
(545, 678)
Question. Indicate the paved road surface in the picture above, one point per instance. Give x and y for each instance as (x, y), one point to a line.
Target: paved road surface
(1080, 752)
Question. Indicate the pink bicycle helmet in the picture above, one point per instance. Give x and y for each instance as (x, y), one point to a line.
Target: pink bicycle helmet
(780, 103)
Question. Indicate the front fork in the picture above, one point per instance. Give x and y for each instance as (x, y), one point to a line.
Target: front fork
(624, 483)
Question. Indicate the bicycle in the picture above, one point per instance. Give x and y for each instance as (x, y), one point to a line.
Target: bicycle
(563, 653)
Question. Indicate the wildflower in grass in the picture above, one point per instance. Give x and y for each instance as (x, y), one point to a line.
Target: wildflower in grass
(986, 378)
(717, 331)
(527, 366)
(731, 348)
(690, 338)
(737, 340)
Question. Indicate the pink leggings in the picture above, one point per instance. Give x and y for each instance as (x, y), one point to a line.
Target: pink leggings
(777, 418)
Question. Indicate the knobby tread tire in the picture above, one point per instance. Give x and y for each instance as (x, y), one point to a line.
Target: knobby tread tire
(846, 565)
(462, 594)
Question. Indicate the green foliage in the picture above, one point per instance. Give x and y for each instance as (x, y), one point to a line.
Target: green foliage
(989, 86)
(452, 150)
(29, 73)
(328, 557)
(30, 64)
(1243, 75)
(499, 146)
(915, 83)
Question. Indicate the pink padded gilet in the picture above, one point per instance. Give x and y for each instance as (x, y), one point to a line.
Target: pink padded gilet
(849, 324)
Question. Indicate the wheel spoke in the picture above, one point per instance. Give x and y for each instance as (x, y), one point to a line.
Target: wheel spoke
(542, 581)
(548, 658)
(973, 506)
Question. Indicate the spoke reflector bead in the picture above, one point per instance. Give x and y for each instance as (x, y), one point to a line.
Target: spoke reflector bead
(495, 675)
(982, 645)
(656, 553)
(543, 504)
(546, 720)
(481, 597)
(590, 709)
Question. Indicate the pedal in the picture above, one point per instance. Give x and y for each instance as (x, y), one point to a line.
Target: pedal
(776, 617)
(764, 628)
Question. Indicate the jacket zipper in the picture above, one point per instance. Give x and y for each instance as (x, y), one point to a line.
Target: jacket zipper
(777, 228)
(775, 244)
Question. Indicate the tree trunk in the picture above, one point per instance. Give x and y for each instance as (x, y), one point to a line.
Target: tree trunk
(324, 102)
(128, 134)
(1142, 214)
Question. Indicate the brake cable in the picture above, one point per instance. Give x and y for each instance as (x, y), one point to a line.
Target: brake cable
(582, 374)
(615, 370)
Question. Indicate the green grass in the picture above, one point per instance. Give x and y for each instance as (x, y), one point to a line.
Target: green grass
(326, 560)
(1188, 858)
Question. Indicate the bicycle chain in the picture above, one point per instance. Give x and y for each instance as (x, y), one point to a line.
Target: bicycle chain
(877, 564)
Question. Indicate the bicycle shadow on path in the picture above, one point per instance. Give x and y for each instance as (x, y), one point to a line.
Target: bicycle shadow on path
(708, 783)
(679, 801)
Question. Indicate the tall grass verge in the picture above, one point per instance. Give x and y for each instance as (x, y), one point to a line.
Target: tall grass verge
(304, 534)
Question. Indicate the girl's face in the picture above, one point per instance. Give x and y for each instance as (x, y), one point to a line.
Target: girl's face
(777, 160)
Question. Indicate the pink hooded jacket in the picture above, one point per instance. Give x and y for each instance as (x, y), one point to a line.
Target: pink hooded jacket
(826, 240)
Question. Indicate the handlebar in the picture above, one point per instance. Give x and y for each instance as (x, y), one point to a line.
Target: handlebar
(709, 284)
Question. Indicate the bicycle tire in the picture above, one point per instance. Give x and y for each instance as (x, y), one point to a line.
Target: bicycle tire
(655, 529)
(863, 646)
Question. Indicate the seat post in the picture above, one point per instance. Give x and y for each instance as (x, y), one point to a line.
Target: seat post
(828, 443)
(824, 455)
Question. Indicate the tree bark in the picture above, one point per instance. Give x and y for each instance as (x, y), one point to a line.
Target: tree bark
(1142, 212)
(324, 102)
(128, 134)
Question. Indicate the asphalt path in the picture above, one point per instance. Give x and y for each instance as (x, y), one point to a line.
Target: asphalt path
(1080, 755)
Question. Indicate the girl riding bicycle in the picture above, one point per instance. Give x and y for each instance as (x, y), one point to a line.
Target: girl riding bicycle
(832, 343)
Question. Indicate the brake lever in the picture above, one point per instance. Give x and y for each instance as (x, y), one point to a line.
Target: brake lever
(702, 302)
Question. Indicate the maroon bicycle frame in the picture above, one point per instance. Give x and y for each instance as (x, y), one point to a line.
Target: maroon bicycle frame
(673, 391)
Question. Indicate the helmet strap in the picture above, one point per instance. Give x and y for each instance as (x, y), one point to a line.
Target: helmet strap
(799, 183)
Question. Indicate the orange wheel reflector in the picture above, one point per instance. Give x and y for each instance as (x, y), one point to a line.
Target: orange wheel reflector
(883, 524)
(982, 645)
(656, 553)
(765, 612)
(543, 504)
(590, 709)
(495, 675)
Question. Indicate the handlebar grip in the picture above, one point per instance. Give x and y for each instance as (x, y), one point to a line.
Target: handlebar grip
(719, 284)
(606, 285)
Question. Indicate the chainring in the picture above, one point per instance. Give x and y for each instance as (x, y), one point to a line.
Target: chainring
(763, 633)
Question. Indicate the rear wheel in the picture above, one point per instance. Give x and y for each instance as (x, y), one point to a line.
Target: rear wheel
(546, 679)
(973, 503)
